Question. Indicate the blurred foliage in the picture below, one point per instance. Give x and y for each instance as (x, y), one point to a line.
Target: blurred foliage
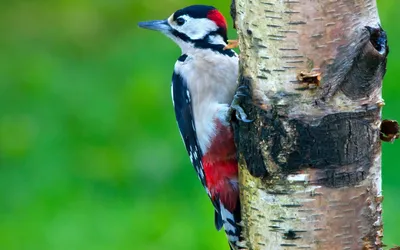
(90, 155)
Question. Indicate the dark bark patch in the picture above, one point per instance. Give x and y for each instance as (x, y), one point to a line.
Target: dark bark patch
(277, 221)
(274, 227)
(339, 139)
(278, 192)
(251, 151)
(247, 137)
(291, 205)
(273, 133)
(288, 245)
(335, 178)
(378, 39)
(360, 66)
(290, 235)
(366, 74)
(389, 130)
(333, 145)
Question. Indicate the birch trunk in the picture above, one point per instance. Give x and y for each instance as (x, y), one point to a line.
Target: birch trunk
(310, 162)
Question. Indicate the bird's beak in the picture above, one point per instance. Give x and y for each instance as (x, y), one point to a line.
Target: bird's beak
(160, 25)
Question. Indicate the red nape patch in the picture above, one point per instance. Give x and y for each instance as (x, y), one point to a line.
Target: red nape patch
(217, 17)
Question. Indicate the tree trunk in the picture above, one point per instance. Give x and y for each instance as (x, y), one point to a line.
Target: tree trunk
(310, 162)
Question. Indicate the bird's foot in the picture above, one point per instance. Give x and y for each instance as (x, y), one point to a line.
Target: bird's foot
(241, 92)
(232, 44)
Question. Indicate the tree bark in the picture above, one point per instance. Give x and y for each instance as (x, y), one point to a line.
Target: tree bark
(310, 162)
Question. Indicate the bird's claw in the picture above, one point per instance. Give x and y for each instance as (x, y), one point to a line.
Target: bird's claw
(236, 107)
(240, 114)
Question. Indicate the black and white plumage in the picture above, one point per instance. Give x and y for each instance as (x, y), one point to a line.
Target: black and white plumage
(184, 117)
(203, 86)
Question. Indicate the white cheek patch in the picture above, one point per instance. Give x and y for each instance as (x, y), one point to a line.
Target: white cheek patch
(216, 40)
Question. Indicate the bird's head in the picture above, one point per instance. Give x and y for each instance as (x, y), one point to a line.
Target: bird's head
(196, 26)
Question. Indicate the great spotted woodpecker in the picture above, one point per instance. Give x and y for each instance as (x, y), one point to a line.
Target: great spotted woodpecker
(203, 90)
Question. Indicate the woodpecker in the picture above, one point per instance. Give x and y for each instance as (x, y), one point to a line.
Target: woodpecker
(203, 88)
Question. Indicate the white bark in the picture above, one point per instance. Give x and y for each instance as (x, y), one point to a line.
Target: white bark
(314, 151)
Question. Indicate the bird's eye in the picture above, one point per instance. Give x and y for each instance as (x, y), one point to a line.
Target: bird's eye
(180, 21)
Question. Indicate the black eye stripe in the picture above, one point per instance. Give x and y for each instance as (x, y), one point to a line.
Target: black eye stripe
(203, 43)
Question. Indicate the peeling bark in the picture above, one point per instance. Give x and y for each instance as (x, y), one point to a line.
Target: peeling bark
(310, 162)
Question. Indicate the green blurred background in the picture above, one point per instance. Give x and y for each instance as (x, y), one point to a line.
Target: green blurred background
(90, 154)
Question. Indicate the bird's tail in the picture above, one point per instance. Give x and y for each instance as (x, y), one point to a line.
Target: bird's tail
(232, 224)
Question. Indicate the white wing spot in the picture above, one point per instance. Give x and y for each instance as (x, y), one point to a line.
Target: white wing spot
(208, 192)
(232, 238)
(191, 157)
(226, 213)
(188, 96)
(201, 174)
(194, 128)
(172, 93)
(195, 155)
